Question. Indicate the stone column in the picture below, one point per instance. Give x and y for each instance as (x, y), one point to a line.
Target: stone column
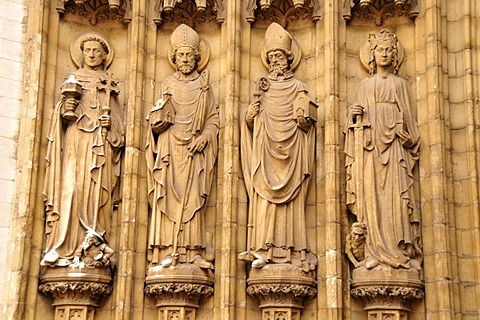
(76, 292)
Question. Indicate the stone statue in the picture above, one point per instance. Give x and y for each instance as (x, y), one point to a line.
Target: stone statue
(381, 145)
(355, 244)
(93, 252)
(278, 154)
(181, 152)
(83, 154)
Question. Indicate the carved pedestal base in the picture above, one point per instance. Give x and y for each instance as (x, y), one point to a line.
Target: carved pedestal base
(178, 289)
(387, 315)
(387, 292)
(281, 289)
(76, 292)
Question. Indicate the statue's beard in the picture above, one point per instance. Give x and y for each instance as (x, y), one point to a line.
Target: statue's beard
(186, 67)
(280, 68)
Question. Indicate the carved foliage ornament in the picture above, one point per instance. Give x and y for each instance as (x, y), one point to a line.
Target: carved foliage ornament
(97, 10)
(178, 293)
(68, 292)
(283, 11)
(379, 10)
(281, 294)
(189, 12)
(376, 296)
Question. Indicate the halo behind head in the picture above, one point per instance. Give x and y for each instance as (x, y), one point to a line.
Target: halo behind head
(76, 51)
(374, 39)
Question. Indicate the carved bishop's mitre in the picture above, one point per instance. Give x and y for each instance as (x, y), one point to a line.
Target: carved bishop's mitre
(277, 38)
(184, 36)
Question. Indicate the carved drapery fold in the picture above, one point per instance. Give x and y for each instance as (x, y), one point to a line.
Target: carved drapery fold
(379, 10)
(189, 12)
(97, 10)
(282, 11)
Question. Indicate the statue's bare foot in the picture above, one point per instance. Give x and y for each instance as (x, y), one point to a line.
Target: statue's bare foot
(371, 262)
(415, 264)
(50, 257)
(259, 263)
(202, 263)
(245, 256)
(168, 261)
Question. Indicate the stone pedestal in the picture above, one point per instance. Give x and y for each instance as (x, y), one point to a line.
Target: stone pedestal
(76, 292)
(387, 292)
(178, 289)
(281, 290)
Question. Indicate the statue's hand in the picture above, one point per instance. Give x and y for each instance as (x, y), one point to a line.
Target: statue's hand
(253, 110)
(303, 123)
(198, 144)
(405, 139)
(70, 104)
(356, 110)
(105, 121)
(160, 126)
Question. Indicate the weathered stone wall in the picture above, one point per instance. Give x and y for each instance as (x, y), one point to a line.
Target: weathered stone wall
(12, 46)
(440, 66)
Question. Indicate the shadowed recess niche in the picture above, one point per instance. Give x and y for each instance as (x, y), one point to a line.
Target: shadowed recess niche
(97, 10)
(283, 11)
(379, 10)
(189, 12)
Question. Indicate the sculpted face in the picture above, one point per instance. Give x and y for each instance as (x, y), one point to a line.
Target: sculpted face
(358, 236)
(383, 55)
(278, 61)
(93, 54)
(185, 60)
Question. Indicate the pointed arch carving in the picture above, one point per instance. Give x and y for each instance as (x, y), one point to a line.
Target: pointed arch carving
(189, 12)
(379, 10)
(97, 10)
(283, 11)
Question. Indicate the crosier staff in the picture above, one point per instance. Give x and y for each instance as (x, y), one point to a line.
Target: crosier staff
(108, 85)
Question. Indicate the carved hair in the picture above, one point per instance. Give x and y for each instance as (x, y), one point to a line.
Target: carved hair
(101, 41)
(360, 225)
(376, 38)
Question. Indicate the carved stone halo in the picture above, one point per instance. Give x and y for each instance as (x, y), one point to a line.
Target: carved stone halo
(204, 56)
(76, 52)
(365, 54)
(297, 55)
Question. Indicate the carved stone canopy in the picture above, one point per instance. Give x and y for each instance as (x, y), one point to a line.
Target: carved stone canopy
(189, 12)
(283, 11)
(379, 10)
(97, 10)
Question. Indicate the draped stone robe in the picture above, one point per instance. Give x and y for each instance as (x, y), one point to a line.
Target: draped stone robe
(387, 179)
(76, 154)
(177, 182)
(277, 160)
